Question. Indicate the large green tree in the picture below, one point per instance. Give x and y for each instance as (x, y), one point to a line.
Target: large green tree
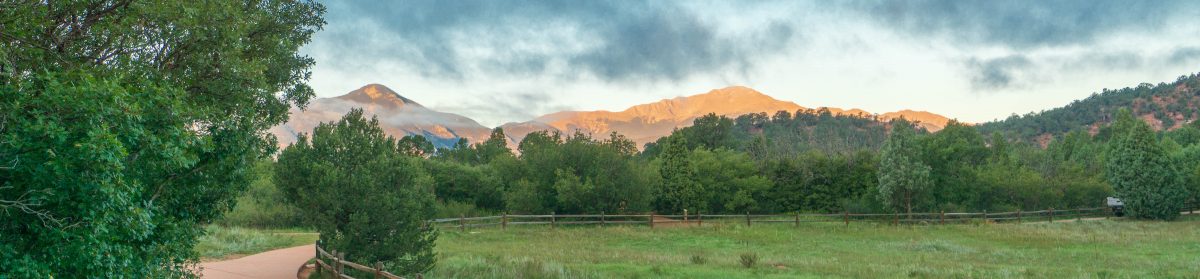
(125, 125)
(1141, 172)
(362, 193)
(903, 178)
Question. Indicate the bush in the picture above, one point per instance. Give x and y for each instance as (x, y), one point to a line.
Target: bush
(262, 206)
(364, 195)
(749, 259)
(699, 260)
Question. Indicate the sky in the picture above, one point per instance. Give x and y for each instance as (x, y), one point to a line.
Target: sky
(500, 61)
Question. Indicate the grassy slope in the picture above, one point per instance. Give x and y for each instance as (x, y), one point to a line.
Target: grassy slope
(231, 242)
(1089, 249)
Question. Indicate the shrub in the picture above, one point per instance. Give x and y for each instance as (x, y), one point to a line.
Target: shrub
(363, 194)
(749, 259)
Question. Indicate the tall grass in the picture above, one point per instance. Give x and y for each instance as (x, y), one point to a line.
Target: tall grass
(225, 242)
(1088, 249)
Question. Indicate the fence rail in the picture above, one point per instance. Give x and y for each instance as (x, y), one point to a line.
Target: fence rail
(653, 219)
(337, 264)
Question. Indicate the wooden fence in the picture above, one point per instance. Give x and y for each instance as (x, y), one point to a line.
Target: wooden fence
(334, 263)
(796, 219)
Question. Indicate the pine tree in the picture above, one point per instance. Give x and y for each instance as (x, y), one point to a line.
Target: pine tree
(1142, 174)
(679, 190)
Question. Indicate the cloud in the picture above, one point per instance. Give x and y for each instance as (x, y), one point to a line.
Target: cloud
(997, 73)
(1025, 24)
(520, 105)
(612, 41)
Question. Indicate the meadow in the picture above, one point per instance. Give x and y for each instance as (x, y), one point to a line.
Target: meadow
(1084, 249)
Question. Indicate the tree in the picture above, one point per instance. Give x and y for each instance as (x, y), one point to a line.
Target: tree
(1141, 172)
(416, 146)
(126, 125)
(679, 191)
(902, 175)
(362, 193)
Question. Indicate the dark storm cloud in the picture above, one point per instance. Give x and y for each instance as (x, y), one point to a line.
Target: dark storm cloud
(997, 73)
(622, 40)
(1027, 23)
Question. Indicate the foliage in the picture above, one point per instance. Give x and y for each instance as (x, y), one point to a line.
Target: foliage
(903, 177)
(577, 174)
(125, 126)
(679, 190)
(1142, 174)
(362, 193)
(262, 205)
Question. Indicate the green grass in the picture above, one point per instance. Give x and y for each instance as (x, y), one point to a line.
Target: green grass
(228, 242)
(1089, 249)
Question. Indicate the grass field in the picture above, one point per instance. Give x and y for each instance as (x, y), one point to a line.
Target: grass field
(229, 242)
(1088, 249)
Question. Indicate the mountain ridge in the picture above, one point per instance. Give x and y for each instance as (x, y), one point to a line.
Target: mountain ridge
(642, 123)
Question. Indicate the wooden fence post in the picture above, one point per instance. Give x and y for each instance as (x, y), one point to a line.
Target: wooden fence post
(504, 220)
(462, 224)
(334, 264)
(699, 219)
(1051, 215)
(985, 217)
(747, 218)
(378, 270)
(651, 220)
(942, 217)
(341, 268)
(685, 222)
(1078, 215)
(601, 218)
(846, 217)
(797, 219)
(553, 221)
(1018, 216)
(895, 219)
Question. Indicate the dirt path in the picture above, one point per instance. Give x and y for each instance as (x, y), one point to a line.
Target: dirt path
(281, 263)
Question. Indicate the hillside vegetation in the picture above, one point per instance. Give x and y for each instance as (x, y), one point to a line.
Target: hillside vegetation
(1165, 106)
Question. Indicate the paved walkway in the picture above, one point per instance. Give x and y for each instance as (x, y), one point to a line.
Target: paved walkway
(282, 263)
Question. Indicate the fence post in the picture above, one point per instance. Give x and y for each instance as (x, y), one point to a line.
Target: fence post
(685, 222)
(317, 250)
(846, 217)
(699, 219)
(334, 264)
(341, 267)
(1018, 216)
(797, 219)
(378, 270)
(942, 217)
(895, 219)
(1078, 215)
(601, 218)
(504, 220)
(1051, 215)
(985, 217)
(651, 220)
(553, 221)
(462, 224)
(747, 218)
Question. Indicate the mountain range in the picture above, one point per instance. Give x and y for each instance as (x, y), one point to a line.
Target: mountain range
(643, 123)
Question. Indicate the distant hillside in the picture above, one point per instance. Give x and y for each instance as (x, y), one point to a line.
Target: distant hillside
(398, 116)
(1163, 106)
(648, 122)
